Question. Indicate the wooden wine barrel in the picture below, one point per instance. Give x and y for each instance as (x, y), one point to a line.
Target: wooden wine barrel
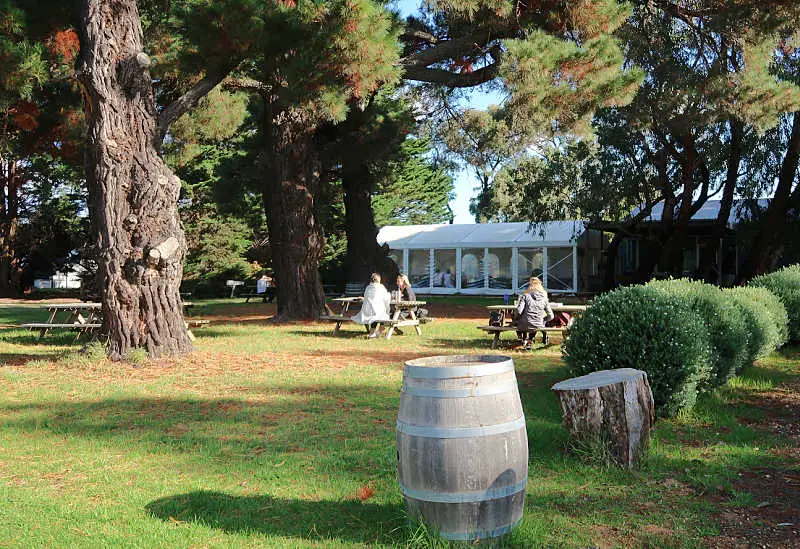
(462, 447)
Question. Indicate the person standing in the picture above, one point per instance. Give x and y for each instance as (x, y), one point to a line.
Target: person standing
(533, 308)
(375, 307)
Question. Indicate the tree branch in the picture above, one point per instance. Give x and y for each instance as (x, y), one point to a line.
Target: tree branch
(247, 84)
(189, 100)
(452, 79)
(449, 49)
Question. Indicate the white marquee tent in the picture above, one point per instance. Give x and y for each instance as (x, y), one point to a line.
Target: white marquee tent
(489, 258)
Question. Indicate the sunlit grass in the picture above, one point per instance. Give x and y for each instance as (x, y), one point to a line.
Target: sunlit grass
(265, 435)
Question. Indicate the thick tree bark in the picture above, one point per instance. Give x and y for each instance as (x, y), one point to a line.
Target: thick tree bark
(364, 255)
(133, 195)
(10, 274)
(764, 244)
(296, 239)
(610, 406)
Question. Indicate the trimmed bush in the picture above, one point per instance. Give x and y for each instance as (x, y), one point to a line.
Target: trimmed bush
(766, 319)
(643, 328)
(786, 285)
(728, 331)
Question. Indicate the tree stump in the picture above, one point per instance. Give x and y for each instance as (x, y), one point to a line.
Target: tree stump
(610, 405)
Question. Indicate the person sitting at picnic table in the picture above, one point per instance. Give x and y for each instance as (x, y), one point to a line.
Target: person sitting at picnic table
(404, 293)
(375, 307)
(533, 309)
(264, 286)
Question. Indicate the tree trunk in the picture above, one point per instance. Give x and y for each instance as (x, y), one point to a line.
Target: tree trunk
(364, 255)
(10, 274)
(611, 406)
(611, 253)
(764, 244)
(295, 237)
(675, 229)
(725, 206)
(133, 195)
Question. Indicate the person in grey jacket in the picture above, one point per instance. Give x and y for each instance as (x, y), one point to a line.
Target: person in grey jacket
(533, 309)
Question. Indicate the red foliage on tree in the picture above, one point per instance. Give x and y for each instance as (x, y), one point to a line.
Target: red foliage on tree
(64, 43)
(25, 115)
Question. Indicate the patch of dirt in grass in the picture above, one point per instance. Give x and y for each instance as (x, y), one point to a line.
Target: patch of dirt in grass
(780, 408)
(774, 519)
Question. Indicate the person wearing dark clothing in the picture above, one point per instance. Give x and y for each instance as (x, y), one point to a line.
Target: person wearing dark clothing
(533, 309)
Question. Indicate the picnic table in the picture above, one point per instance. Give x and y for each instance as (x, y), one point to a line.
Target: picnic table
(508, 321)
(85, 317)
(397, 320)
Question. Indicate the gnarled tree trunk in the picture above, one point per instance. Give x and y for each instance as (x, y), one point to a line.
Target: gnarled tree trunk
(296, 239)
(133, 194)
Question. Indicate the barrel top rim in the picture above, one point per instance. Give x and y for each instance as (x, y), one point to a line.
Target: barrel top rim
(456, 361)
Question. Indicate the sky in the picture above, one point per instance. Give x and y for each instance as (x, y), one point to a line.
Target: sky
(464, 181)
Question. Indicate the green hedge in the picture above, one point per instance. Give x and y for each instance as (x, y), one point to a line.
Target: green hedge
(727, 326)
(786, 285)
(647, 329)
(766, 319)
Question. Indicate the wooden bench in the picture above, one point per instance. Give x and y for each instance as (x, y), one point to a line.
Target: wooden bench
(338, 319)
(45, 327)
(497, 330)
(392, 324)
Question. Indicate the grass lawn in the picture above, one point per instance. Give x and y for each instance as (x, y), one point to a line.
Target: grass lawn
(283, 436)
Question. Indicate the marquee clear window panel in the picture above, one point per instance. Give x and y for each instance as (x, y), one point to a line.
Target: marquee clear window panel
(419, 268)
(499, 267)
(529, 263)
(472, 268)
(444, 268)
(559, 269)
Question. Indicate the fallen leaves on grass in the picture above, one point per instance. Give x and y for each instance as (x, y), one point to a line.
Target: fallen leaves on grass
(365, 492)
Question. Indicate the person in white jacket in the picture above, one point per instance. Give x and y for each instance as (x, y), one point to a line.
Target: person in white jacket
(375, 307)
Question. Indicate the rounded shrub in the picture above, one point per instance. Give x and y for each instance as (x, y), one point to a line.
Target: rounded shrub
(726, 324)
(766, 319)
(786, 285)
(643, 328)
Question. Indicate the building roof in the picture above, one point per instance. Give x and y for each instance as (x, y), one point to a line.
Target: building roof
(499, 235)
(710, 210)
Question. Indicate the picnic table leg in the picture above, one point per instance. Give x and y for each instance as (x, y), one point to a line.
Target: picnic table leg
(414, 317)
(43, 331)
(336, 328)
(495, 340)
(395, 317)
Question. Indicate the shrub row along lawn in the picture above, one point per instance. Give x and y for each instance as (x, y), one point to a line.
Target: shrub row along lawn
(284, 436)
(689, 337)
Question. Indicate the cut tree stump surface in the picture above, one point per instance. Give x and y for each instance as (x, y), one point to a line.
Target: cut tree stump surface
(613, 405)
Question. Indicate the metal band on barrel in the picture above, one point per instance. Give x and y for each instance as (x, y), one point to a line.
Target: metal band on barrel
(507, 387)
(460, 432)
(464, 497)
(469, 536)
(446, 372)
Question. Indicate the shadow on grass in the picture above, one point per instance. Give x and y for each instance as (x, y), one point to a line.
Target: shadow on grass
(21, 359)
(349, 520)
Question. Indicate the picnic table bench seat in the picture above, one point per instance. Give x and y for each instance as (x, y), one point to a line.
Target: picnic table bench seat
(497, 330)
(44, 327)
(73, 326)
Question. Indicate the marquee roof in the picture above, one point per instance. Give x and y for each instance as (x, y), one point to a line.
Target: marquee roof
(480, 235)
